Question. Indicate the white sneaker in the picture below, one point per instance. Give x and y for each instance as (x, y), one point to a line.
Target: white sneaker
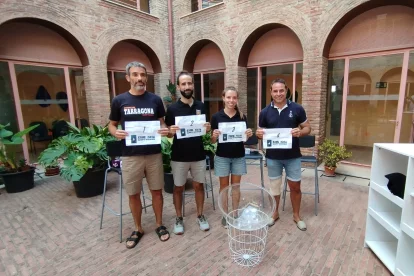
(202, 221)
(179, 226)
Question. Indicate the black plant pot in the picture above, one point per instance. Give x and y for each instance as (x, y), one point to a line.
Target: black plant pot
(91, 184)
(168, 183)
(19, 181)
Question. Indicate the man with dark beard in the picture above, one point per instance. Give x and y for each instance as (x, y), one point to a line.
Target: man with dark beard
(137, 104)
(187, 154)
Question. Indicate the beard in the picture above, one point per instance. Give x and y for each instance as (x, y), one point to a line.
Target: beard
(187, 93)
(139, 86)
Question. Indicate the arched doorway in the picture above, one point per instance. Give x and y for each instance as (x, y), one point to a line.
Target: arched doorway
(41, 71)
(123, 53)
(271, 51)
(206, 61)
(371, 52)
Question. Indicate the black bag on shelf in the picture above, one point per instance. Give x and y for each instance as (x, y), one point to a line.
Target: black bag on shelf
(396, 184)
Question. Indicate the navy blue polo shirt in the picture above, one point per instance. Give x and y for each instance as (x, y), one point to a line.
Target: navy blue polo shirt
(228, 150)
(188, 149)
(291, 116)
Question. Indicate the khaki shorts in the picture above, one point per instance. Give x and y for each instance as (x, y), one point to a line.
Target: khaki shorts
(134, 168)
(180, 171)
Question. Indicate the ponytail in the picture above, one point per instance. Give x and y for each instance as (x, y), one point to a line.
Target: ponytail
(232, 88)
(238, 110)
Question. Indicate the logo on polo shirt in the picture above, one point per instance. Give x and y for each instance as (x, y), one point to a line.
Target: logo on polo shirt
(290, 114)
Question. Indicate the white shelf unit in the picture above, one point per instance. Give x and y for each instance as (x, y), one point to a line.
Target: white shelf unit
(390, 219)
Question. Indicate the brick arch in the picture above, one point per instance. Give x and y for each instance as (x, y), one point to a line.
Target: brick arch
(250, 32)
(191, 48)
(193, 52)
(334, 19)
(64, 26)
(111, 37)
(150, 54)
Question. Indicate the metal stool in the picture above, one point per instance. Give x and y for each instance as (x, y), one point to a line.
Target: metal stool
(114, 149)
(208, 187)
(307, 142)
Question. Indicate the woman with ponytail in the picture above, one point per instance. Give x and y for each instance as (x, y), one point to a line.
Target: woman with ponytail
(229, 159)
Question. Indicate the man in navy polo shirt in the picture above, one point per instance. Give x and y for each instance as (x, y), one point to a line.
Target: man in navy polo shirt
(187, 154)
(282, 113)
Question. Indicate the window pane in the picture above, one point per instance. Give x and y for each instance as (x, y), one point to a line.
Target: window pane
(407, 123)
(252, 98)
(275, 72)
(372, 102)
(121, 84)
(7, 106)
(298, 83)
(79, 97)
(44, 100)
(197, 87)
(213, 88)
(150, 84)
(110, 85)
(336, 69)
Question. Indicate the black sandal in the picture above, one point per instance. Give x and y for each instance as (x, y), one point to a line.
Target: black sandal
(135, 240)
(161, 231)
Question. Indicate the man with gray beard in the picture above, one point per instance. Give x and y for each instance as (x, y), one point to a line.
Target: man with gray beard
(137, 104)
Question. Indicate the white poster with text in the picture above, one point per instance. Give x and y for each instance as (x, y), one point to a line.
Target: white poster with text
(190, 126)
(277, 138)
(142, 133)
(232, 132)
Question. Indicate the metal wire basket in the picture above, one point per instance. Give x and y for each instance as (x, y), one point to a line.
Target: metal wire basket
(250, 209)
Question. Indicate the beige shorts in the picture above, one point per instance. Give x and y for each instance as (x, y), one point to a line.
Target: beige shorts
(180, 171)
(135, 168)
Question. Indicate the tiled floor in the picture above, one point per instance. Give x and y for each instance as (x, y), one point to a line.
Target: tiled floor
(49, 231)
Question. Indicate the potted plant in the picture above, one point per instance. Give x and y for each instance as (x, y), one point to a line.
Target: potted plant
(209, 148)
(331, 153)
(166, 145)
(171, 98)
(84, 158)
(17, 175)
(52, 170)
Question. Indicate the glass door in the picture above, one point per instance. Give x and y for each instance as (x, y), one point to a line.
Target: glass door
(45, 101)
(371, 104)
(407, 120)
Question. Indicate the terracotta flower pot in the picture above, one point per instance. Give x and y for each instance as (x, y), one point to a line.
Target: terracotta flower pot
(51, 171)
(330, 171)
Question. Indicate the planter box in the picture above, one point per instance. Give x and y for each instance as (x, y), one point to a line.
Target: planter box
(19, 181)
(91, 184)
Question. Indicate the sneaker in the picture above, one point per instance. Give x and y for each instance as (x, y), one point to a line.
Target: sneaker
(202, 221)
(224, 222)
(179, 226)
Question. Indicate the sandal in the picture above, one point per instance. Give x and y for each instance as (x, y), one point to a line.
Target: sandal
(133, 239)
(161, 231)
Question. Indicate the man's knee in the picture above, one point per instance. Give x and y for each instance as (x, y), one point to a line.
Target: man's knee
(294, 186)
(178, 189)
(198, 187)
(156, 194)
(135, 197)
(275, 186)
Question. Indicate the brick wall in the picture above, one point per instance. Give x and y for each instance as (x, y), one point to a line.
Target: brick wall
(98, 25)
(230, 24)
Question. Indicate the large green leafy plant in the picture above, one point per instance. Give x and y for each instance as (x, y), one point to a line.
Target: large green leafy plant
(171, 98)
(9, 162)
(331, 153)
(166, 149)
(209, 147)
(81, 150)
